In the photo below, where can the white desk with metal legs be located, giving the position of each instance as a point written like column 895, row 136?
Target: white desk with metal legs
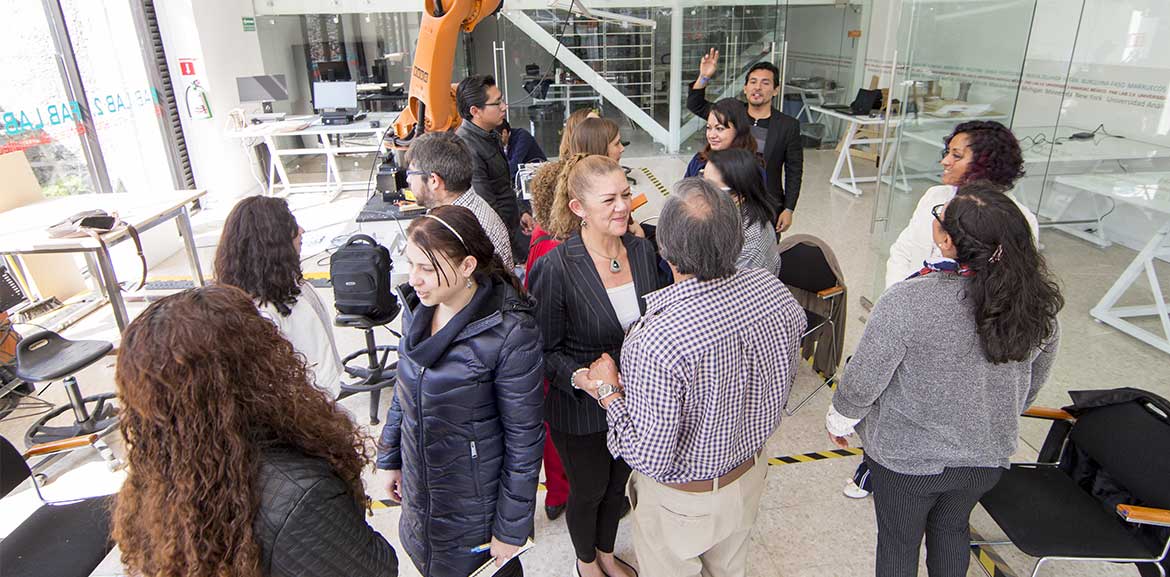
column 1149, row 191
column 296, row 126
column 24, row 230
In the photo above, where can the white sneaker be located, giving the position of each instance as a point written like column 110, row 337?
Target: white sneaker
column 852, row 491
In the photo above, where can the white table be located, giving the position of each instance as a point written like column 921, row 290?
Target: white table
column 24, row 230
column 1097, row 150
column 1149, row 191
column 269, row 132
column 810, row 97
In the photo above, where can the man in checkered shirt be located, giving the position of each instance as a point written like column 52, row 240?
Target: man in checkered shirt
column 439, row 174
column 705, row 375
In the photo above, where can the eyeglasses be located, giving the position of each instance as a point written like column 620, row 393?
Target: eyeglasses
column 410, row 173
column 937, row 212
column 496, row 103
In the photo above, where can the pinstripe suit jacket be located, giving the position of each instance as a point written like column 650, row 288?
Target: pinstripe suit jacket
column 578, row 323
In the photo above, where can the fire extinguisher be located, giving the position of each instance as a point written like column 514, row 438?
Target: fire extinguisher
column 195, row 97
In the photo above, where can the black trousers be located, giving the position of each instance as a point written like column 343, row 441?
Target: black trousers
column 937, row 506
column 597, row 487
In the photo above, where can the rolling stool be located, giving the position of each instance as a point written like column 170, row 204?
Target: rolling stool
column 47, row 356
column 377, row 374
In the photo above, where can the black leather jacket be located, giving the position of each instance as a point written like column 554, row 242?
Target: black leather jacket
column 492, row 180
column 308, row 524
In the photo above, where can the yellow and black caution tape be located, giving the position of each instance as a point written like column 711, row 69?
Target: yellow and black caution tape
column 991, row 562
column 816, row 456
column 654, row 180
column 379, row 504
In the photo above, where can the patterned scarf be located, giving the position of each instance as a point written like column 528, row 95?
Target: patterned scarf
column 944, row 265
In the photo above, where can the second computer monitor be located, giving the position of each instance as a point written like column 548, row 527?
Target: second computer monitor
column 334, row 95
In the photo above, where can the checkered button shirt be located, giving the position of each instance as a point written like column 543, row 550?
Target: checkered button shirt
column 706, row 373
column 490, row 222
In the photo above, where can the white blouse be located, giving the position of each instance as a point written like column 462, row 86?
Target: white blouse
column 625, row 303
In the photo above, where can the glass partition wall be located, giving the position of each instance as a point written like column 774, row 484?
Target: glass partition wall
column 1085, row 88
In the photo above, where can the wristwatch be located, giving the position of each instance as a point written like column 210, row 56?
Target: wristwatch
column 605, row 390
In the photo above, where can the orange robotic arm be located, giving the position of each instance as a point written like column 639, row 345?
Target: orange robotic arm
column 432, row 95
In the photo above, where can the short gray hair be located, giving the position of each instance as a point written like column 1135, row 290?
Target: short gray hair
column 444, row 154
column 700, row 231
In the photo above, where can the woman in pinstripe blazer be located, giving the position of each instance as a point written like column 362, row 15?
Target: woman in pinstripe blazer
column 589, row 290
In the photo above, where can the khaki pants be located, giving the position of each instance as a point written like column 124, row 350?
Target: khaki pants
column 681, row 534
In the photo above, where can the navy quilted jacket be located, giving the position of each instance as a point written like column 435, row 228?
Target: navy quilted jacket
column 465, row 428
column 308, row 525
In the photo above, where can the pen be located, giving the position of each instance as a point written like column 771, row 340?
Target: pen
column 481, row 548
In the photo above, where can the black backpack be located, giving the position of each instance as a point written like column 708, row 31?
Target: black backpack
column 360, row 273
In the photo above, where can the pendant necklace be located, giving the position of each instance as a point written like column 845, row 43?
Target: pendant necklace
column 615, row 266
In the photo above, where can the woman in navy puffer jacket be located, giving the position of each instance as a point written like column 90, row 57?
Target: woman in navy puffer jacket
column 464, row 434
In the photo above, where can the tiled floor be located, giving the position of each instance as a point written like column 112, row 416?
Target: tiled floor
column 806, row 527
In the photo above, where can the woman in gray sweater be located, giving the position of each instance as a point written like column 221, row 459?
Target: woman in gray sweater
column 947, row 363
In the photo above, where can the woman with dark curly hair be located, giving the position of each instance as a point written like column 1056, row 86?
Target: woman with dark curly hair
column 728, row 126
column 260, row 252
column 236, row 463
column 948, row 361
column 976, row 150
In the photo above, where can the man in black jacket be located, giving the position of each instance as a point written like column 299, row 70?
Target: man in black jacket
column 777, row 134
column 482, row 107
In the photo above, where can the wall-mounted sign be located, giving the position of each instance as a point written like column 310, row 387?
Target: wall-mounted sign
column 249, row 24
column 855, row 34
column 187, row 67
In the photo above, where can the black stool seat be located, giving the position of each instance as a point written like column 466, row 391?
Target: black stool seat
column 362, row 321
column 47, row 356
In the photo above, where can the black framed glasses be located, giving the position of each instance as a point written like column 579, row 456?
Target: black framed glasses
column 496, row 103
column 937, row 212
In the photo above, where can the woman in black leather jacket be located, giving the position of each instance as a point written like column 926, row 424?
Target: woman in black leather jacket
column 463, row 437
column 238, row 465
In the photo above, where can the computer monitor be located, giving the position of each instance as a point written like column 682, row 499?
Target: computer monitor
column 332, row 71
column 334, row 95
column 262, row 88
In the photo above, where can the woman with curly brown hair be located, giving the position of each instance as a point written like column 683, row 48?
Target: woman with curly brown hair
column 260, row 252
column 237, row 465
column 975, row 150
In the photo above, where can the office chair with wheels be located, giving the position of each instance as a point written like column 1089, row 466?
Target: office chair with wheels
column 1106, row 496
column 809, row 269
column 378, row 373
column 63, row 539
column 47, row 356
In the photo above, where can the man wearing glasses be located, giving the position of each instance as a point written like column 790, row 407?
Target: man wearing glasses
column 439, row 173
column 483, row 110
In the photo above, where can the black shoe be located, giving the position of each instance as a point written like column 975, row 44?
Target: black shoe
column 625, row 508
column 554, row 511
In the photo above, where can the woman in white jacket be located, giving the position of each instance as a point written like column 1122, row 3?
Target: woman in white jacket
column 976, row 150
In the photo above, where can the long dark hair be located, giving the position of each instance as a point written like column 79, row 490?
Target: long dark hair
column 1014, row 297
column 432, row 236
column 256, row 252
column 741, row 173
column 197, row 413
column 733, row 113
column 998, row 157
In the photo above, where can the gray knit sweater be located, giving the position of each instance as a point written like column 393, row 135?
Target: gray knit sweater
column 927, row 396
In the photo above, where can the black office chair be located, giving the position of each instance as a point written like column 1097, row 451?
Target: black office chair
column 1102, row 489
column 63, row 539
column 806, row 270
column 378, row 373
column 47, row 356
